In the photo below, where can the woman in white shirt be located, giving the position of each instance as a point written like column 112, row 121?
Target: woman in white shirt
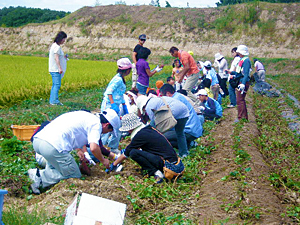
column 57, row 66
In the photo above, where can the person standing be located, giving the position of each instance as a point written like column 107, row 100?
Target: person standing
column 114, row 97
column 70, row 131
column 190, row 69
column 242, row 70
column 143, row 71
column 234, row 63
column 221, row 63
column 135, row 57
column 57, row 66
column 260, row 70
column 177, row 67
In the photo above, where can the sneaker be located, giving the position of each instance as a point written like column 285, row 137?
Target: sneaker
column 230, row 106
column 34, row 175
column 56, row 103
column 159, row 177
column 183, row 156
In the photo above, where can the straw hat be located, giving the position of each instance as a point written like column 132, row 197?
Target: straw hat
column 130, row 121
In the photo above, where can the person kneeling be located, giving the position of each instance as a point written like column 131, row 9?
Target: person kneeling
column 210, row 108
column 148, row 147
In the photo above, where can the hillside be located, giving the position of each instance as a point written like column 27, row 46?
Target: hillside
column 269, row 29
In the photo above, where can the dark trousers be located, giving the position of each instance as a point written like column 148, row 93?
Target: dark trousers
column 148, row 161
column 172, row 138
column 223, row 85
column 211, row 116
column 241, row 103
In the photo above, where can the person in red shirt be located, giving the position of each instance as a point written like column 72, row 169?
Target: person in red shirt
column 190, row 70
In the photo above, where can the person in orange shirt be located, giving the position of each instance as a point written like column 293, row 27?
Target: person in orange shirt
column 190, row 70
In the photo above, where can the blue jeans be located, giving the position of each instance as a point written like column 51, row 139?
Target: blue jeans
column 142, row 89
column 232, row 96
column 56, row 83
column 181, row 140
column 111, row 140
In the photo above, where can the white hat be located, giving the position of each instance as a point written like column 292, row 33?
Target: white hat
column 141, row 101
column 113, row 118
column 242, row 49
column 207, row 64
column 218, row 56
column 201, row 63
column 130, row 121
column 201, row 92
column 124, row 63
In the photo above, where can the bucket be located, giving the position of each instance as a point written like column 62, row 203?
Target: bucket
column 24, row 132
column 2, row 193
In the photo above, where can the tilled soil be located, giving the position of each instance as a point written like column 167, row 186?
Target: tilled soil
column 213, row 195
column 258, row 192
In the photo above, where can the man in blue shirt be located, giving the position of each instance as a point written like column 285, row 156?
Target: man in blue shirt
column 147, row 106
column 193, row 128
column 210, row 108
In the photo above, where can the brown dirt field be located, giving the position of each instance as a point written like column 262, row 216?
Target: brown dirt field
column 213, row 192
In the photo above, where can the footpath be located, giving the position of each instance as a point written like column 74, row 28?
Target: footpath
column 236, row 186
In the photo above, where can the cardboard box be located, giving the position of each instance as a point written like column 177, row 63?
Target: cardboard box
column 93, row 210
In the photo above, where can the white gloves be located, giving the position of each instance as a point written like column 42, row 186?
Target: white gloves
column 157, row 69
column 241, row 88
column 202, row 108
column 88, row 157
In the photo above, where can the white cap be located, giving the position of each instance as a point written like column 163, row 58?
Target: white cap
column 242, row 49
column 207, row 64
column 218, row 56
column 201, row 92
column 141, row 101
column 113, row 118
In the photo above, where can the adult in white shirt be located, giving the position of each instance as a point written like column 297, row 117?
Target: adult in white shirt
column 70, row 131
column 57, row 66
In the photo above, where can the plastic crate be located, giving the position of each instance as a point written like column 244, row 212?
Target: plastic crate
column 24, row 132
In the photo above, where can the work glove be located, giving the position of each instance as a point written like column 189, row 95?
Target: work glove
column 125, row 109
column 115, row 107
column 241, row 88
column 116, row 168
column 202, row 108
column 157, row 69
column 88, row 157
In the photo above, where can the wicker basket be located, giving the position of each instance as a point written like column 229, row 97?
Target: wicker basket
column 24, row 132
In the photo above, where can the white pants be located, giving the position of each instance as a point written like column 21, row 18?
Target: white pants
column 189, row 84
column 134, row 77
